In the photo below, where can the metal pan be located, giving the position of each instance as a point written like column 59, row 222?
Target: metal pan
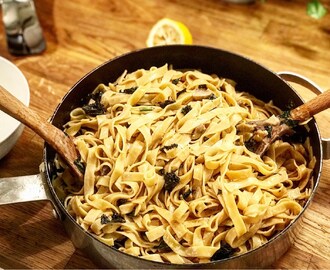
column 250, row 77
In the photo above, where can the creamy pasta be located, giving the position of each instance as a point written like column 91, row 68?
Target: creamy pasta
column 168, row 175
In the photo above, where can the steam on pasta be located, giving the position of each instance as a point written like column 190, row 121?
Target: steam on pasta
column 168, row 176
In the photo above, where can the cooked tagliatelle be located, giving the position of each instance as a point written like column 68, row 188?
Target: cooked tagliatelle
column 168, row 174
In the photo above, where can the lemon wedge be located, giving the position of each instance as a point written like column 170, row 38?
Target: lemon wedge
column 167, row 31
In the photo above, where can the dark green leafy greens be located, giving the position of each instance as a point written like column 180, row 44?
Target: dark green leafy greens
column 186, row 194
column 176, row 81
column 186, row 109
column 130, row 90
column 286, row 119
column 212, row 96
column 180, row 92
column 95, row 107
column 168, row 147
column 105, row 219
column 224, row 252
column 171, row 180
column 116, row 218
column 165, row 103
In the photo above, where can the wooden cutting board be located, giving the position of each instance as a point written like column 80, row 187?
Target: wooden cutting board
column 82, row 34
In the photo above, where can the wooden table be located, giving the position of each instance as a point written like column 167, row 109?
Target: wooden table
column 82, row 34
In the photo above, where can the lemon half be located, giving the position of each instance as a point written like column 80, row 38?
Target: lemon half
column 167, row 31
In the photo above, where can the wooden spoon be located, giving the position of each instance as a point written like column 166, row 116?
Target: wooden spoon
column 55, row 137
column 284, row 125
column 312, row 107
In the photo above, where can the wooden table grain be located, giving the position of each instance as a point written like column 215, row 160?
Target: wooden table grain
column 81, row 34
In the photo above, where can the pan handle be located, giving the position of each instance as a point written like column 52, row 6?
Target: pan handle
column 27, row 188
column 309, row 84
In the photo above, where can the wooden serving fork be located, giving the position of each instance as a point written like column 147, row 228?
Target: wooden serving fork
column 284, row 124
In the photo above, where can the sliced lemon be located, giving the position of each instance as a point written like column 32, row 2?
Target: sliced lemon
column 167, row 31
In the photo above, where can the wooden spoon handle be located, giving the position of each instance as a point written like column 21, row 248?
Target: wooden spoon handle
column 15, row 108
column 55, row 137
column 312, row 107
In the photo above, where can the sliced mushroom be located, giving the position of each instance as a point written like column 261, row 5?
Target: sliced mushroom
column 200, row 94
column 198, row 131
column 277, row 132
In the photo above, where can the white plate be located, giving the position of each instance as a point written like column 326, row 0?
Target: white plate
column 14, row 81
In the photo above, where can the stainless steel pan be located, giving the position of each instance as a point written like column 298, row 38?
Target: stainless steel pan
column 250, row 77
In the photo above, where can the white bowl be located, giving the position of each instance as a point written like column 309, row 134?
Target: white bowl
column 12, row 79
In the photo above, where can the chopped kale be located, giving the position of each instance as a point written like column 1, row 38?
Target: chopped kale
column 212, row 96
column 105, row 219
column 168, row 147
column 116, row 218
column 163, row 247
column 130, row 90
column 291, row 123
column 180, row 92
column 186, row 194
column 176, row 81
column 186, row 109
column 80, row 165
column 224, row 252
column 95, row 96
column 285, row 115
column 171, row 180
column 93, row 109
column 269, row 130
column 286, row 119
column 165, row 103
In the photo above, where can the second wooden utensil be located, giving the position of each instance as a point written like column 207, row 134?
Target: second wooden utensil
column 284, row 123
